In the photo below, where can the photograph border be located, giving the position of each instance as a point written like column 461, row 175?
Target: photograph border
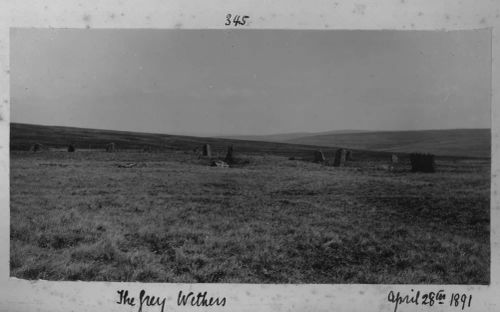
column 23, row 295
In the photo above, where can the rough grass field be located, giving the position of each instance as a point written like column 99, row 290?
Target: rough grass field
column 172, row 218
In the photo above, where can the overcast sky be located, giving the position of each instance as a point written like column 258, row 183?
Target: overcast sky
column 218, row 82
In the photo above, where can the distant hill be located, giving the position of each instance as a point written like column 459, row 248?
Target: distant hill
column 284, row 137
column 22, row 136
column 454, row 142
column 459, row 142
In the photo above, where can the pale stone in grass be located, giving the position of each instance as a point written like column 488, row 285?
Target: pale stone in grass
column 219, row 163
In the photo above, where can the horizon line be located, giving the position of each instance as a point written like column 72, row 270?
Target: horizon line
column 323, row 132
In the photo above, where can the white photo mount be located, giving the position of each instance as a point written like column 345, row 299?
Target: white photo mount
column 448, row 15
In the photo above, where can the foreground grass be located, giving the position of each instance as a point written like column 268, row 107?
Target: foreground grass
column 174, row 219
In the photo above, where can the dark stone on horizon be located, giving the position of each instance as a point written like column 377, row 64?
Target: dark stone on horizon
column 340, row 158
column 110, row 148
column 422, row 162
column 207, row 150
column 36, row 147
column 229, row 155
column 319, row 156
column 348, row 155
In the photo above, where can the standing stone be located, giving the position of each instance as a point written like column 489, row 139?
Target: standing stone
column 319, row 156
column 348, row 155
column 422, row 162
column 207, row 151
column 340, row 156
column 229, row 155
column 110, row 148
column 36, row 147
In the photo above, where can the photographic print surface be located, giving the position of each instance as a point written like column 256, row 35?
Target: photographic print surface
column 256, row 156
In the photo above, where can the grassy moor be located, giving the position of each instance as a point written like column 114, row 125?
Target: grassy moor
column 155, row 211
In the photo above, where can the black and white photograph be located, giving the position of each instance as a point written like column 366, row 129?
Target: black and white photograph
column 257, row 156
